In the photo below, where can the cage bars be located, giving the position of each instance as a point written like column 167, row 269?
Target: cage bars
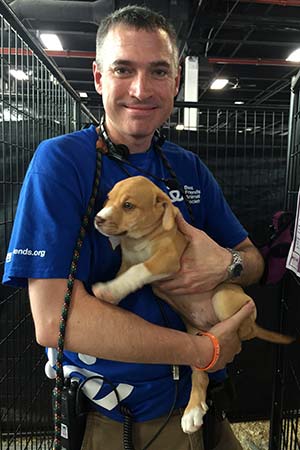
column 34, row 105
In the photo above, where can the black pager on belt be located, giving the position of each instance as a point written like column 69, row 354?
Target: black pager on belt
column 73, row 419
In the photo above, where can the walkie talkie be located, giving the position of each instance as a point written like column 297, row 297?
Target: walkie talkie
column 73, row 415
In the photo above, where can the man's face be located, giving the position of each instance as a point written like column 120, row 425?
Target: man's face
column 138, row 81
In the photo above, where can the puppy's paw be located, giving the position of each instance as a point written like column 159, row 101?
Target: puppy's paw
column 102, row 291
column 192, row 419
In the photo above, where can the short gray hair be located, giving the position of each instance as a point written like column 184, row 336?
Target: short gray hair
column 140, row 18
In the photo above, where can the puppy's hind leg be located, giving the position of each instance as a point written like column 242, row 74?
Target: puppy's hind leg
column 192, row 418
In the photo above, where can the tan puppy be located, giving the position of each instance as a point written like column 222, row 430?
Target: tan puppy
column 142, row 219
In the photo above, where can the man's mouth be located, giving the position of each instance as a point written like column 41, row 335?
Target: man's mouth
column 141, row 107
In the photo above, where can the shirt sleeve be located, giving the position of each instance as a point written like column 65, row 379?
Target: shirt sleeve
column 220, row 223
column 50, row 209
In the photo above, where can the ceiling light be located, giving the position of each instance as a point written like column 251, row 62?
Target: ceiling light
column 219, row 83
column 238, row 102
column 9, row 115
column 294, row 56
column 51, row 41
column 18, row 74
column 83, row 94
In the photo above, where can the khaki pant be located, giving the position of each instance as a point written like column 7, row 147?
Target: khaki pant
column 103, row 433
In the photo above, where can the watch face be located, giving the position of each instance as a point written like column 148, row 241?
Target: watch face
column 237, row 270
column 236, row 267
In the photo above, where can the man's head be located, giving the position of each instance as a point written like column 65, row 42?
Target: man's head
column 137, row 74
column 140, row 18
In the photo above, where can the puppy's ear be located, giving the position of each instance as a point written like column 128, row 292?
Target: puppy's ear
column 169, row 215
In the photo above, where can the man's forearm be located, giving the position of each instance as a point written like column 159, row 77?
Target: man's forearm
column 107, row 331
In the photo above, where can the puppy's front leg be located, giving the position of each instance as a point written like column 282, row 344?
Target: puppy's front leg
column 192, row 418
column 134, row 278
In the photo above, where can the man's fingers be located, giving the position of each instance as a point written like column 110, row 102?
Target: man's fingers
column 243, row 313
column 184, row 226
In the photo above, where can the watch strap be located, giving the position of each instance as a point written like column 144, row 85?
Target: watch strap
column 236, row 266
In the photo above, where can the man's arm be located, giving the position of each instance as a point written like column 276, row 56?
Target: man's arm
column 253, row 263
column 204, row 263
column 106, row 331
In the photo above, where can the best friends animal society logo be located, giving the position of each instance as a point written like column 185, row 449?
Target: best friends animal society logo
column 25, row 252
column 193, row 195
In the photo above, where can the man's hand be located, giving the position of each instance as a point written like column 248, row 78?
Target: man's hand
column 203, row 264
column 227, row 334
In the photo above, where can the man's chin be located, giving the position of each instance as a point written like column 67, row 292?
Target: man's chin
column 142, row 128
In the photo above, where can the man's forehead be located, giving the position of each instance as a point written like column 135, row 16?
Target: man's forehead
column 121, row 38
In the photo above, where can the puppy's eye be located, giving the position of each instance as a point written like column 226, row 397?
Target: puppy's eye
column 128, row 205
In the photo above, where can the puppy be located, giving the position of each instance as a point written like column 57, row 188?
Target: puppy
column 141, row 217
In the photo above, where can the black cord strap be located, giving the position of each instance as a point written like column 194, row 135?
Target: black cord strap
column 59, row 381
column 174, row 176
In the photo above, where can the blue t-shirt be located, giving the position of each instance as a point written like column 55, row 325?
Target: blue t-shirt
column 52, row 202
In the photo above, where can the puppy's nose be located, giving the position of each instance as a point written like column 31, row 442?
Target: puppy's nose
column 99, row 220
column 103, row 214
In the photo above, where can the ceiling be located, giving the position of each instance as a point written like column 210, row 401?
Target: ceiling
column 246, row 41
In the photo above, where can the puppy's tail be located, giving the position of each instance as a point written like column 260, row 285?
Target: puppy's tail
column 272, row 336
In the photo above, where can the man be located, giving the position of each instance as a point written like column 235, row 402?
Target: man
column 132, row 345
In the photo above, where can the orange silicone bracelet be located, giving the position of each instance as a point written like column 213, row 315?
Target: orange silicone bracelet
column 216, row 353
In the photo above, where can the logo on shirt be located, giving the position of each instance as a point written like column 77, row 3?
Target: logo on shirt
column 193, row 195
column 25, row 252
column 93, row 385
column 93, row 380
column 8, row 257
column 175, row 196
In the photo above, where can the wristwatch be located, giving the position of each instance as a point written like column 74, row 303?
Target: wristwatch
column 236, row 267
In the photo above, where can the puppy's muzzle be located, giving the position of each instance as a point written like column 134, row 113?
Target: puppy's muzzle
column 104, row 226
column 102, row 216
column 106, row 222
column 99, row 221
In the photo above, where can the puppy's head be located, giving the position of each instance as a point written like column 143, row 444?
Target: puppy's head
column 135, row 207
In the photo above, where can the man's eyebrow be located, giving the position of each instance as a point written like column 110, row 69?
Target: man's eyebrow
column 161, row 63
column 127, row 62
column 122, row 62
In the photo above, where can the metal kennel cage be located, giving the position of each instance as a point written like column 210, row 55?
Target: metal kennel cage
column 35, row 104
column 285, row 430
column 246, row 149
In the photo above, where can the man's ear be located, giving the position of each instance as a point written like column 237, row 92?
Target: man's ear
column 97, row 78
column 168, row 220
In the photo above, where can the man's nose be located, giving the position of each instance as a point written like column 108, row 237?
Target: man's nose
column 141, row 87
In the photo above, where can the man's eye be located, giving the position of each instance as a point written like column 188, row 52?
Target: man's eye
column 160, row 73
column 128, row 205
column 121, row 71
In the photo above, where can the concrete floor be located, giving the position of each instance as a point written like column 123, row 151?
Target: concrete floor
column 252, row 435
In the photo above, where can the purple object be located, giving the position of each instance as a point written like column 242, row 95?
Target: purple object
column 276, row 250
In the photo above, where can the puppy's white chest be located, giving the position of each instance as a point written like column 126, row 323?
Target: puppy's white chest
column 138, row 253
